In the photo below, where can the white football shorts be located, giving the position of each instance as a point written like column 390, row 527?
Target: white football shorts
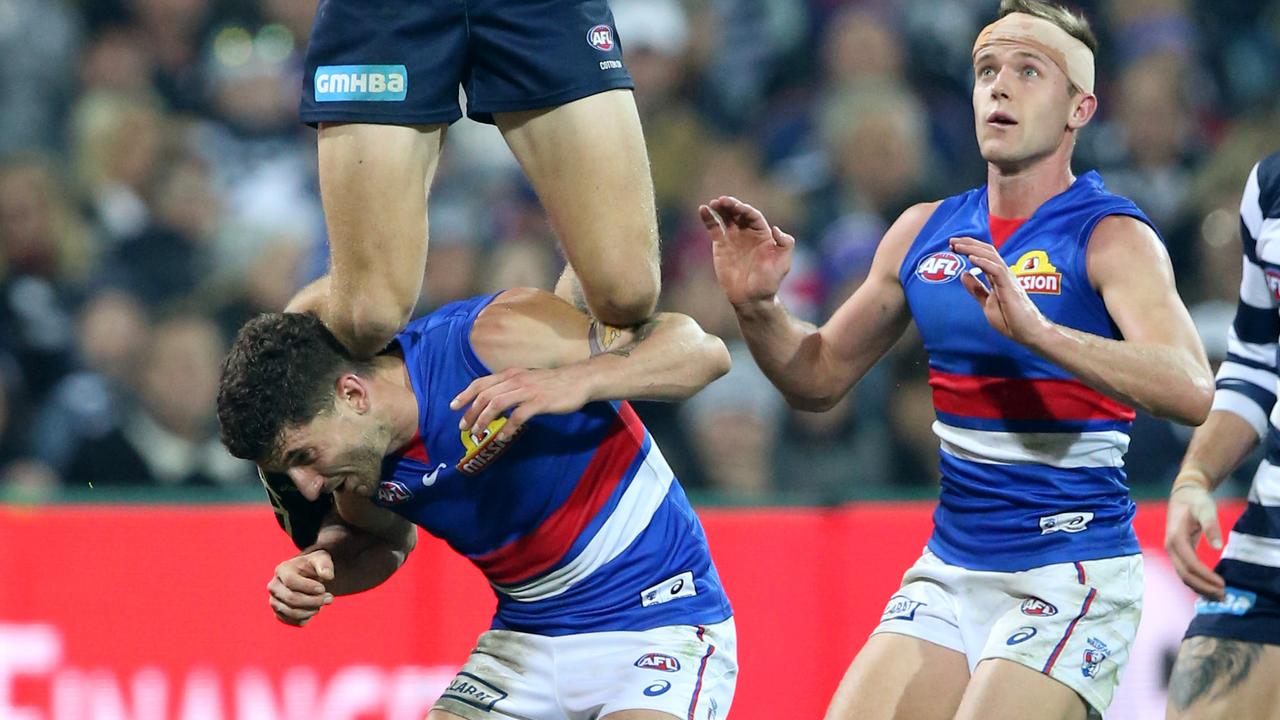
column 685, row 670
column 1073, row 622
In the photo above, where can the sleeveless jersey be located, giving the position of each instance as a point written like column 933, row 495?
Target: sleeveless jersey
column 1031, row 458
column 577, row 522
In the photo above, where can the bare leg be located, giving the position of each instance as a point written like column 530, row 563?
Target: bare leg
column 373, row 182
column 1004, row 690
column 897, row 677
column 588, row 163
column 1220, row 679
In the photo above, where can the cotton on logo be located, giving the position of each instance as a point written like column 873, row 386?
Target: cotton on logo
column 940, row 267
column 600, row 37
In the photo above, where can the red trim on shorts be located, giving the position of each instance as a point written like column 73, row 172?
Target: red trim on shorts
column 697, row 689
column 1080, row 574
column 1093, row 592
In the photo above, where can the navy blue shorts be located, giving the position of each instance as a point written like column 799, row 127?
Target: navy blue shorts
column 400, row 62
column 1250, row 612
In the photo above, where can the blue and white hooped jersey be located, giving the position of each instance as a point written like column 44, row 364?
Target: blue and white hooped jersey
column 577, row 522
column 1247, row 383
column 1031, row 458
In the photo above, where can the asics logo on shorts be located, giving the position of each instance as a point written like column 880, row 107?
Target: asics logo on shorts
column 363, row 83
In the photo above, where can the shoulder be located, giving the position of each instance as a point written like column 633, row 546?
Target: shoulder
column 1125, row 246
column 526, row 327
column 900, row 236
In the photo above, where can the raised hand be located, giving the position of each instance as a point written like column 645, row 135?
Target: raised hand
column 1004, row 303
column 297, row 589
column 751, row 257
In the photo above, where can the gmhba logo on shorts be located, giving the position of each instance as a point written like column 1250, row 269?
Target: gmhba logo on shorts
column 365, row 83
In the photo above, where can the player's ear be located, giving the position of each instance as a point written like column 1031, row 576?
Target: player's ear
column 1083, row 108
column 354, row 391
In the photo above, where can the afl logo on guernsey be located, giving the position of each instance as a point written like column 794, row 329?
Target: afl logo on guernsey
column 1036, row 274
column 600, row 37
column 940, row 267
column 393, row 492
column 1273, row 282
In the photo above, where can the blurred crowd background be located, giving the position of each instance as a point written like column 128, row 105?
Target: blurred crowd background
column 157, row 189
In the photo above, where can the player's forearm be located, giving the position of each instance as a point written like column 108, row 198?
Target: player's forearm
column 790, row 352
column 361, row 559
column 1217, row 448
column 1165, row 381
column 670, row 359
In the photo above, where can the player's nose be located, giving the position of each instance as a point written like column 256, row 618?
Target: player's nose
column 309, row 482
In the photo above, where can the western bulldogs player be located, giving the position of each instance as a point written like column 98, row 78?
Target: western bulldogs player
column 1027, row 598
column 609, row 605
column 1228, row 663
column 382, row 82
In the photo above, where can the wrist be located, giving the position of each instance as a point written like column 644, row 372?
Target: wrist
column 1191, row 477
column 1044, row 333
column 756, row 309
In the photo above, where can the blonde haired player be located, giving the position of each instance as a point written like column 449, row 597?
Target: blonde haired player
column 1027, row 598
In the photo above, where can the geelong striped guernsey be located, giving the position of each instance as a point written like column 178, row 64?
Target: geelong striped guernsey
column 1247, row 381
column 1031, row 458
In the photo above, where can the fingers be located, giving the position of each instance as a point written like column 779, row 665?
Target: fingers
column 1180, row 542
column 711, row 219
column 1212, row 531
column 502, row 399
column 321, row 565
column 737, row 213
column 784, row 240
column 479, row 393
column 975, row 287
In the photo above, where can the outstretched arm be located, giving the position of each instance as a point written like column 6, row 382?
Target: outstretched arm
column 359, row 546
column 548, row 357
column 1159, row 366
column 813, row 367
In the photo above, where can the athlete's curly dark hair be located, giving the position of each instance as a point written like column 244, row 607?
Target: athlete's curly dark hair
column 280, row 373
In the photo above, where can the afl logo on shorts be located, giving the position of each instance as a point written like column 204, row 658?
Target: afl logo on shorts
column 1035, row 607
column 940, row 267
column 600, row 37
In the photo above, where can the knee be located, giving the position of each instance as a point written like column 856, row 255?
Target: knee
column 623, row 301
column 366, row 323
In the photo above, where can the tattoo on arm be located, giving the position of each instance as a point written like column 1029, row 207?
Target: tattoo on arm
column 1210, row 667
column 601, row 337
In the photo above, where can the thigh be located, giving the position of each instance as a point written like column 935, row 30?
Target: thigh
column 588, row 164
column 373, row 183
column 1224, row 679
column 1005, row 690
column 395, row 61
column 897, row 677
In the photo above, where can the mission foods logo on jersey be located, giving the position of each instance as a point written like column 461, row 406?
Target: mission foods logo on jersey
column 1036, row 274
column 365, row 83
column 483, row 450
column 940, row 267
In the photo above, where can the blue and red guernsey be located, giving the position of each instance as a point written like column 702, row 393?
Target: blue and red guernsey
column 1031, row 458
column 577, row 522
